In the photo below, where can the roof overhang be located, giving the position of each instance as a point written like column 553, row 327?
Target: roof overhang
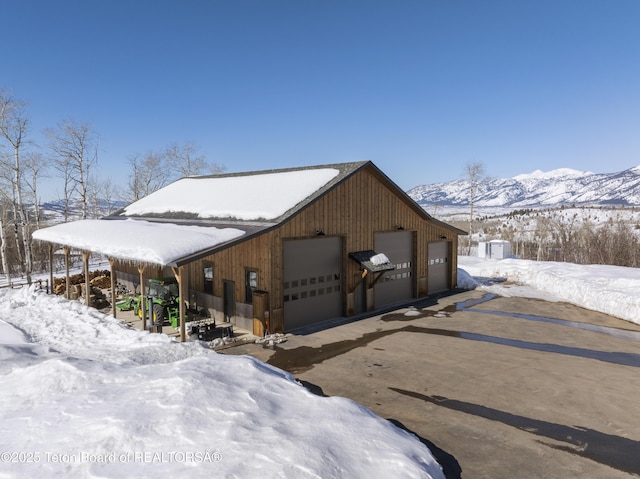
column 372, row 261
column 138, row 241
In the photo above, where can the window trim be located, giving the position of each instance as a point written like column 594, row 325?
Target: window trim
column 206, row 287
column 248, row 289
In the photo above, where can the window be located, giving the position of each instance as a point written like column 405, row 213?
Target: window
column 306, row 288
column 250, row 284
column 207, row 272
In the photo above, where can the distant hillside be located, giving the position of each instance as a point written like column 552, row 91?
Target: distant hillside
column 52, row 210
column 538, row 189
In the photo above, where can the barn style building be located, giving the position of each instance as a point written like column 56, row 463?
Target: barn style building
column 292, row 247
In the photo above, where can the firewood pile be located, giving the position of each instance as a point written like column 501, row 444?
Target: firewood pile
column 97, row 279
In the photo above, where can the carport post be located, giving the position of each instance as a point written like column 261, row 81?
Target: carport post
column 51, row 266
column 113, row 287
column 178, row 273
column 87, row 287
column 66, row 265
column 143, row 306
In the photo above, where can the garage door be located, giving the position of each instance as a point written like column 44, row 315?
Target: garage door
column 312, row 281
column 438, row 275
column 396, row 285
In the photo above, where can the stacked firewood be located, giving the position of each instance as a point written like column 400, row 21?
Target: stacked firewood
column 97, row 279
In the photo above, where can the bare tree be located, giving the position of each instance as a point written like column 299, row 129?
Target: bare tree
column 9, row 201
column 13, row 128
column 76, row 147
column 184, row 160
column 94, row 196
column 63, row 166
column 564, row 237
column 3, row 248
column 108, row 192
column 475, row 174
column 154, row 170
column 542, row 234
column 4, row 254
column 35, row 168
column 135, row 188
column 148, row 174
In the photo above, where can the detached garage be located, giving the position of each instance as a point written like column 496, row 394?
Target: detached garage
column 281, row 249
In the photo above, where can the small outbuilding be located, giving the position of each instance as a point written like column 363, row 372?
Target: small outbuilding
column 494, row 249
column 277, row 250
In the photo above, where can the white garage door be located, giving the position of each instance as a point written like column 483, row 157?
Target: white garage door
column 312, row 281
column 438, row 275
column 396, row 285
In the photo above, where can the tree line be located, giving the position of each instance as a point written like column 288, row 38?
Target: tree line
column 558, row 237
column 555, row 235
column 579, row 240
column 71, row 156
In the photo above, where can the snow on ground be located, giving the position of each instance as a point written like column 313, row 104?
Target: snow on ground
column 137, row 240
column 243, row 197
column 614, row 290
column 11, row 335
column 84, row 396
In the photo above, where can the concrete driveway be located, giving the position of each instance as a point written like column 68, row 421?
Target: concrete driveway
column 496, row 387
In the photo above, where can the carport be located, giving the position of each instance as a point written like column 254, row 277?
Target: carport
column 142, row 243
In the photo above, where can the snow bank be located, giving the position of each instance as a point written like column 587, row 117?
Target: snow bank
column 91, row 398
column 137, row 240
column 10, row 335
column 465, row 280
column 613, row 290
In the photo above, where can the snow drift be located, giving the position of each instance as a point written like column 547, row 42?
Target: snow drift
column 84, row 396
column 611, row 290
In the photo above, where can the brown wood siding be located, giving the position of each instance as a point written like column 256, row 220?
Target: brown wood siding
column 150, row 271
column 229, row 264
column 355, row 209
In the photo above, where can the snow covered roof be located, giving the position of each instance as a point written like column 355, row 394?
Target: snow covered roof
column 196, row 215
column 222, row 208
column 254, row 196
column 138, row 240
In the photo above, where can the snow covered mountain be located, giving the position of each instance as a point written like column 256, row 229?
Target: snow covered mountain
column 101, row 207
column 555, row 188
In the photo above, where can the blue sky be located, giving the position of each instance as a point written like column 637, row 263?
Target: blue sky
column 421, row 88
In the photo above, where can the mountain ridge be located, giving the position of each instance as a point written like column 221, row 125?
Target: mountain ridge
column 558, row 187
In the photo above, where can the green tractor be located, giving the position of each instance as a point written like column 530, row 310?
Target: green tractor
column 165, row 302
